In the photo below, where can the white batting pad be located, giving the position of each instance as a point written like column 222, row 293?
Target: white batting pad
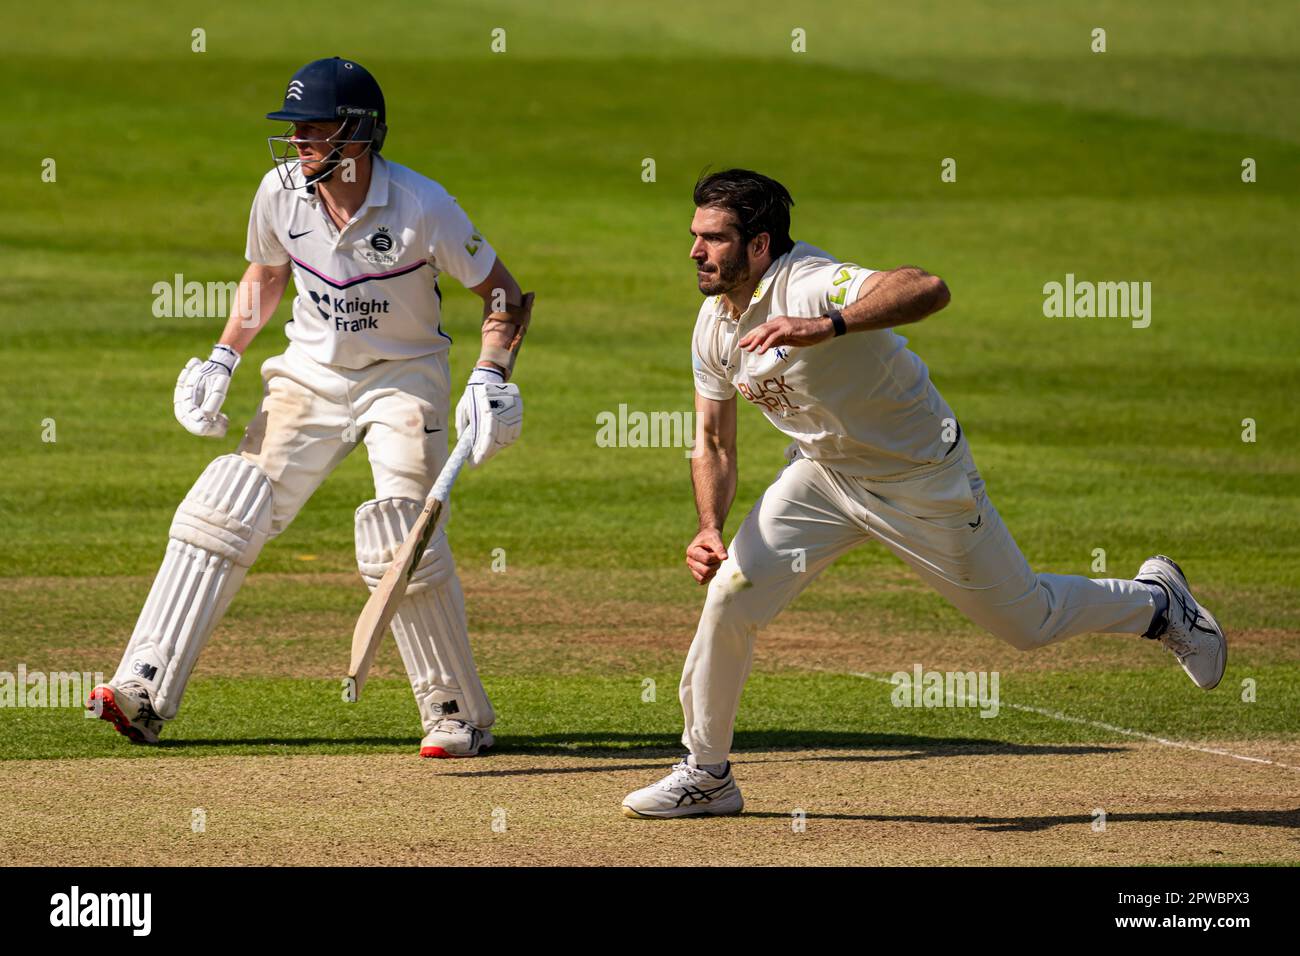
column 429, row 625
column 217, row 533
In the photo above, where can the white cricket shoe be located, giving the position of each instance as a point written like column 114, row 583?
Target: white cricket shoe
column 129, row 709
column 689, row 791
column 455, row 738
column 1186, row 627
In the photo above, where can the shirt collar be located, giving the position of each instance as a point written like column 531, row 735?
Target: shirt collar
column 723, row 307
column 376, row 195
column 378, row 192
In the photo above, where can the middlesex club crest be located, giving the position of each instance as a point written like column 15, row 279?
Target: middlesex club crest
column 380, row 248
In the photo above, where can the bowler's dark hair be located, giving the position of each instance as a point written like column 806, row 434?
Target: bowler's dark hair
column 759, row 203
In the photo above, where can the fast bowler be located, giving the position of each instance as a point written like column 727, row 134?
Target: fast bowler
column 876, row 454
column 365, row 241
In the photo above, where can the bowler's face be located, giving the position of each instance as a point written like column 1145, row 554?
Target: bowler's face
column 721, row 260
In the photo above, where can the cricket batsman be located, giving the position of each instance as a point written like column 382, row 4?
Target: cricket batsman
column 366, row 242
column 876, row 454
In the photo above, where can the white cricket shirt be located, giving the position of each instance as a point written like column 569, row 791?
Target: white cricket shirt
column 861, row 403
column 368, row 292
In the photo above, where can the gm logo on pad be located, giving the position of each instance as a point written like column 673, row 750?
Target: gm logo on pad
column 144, row 669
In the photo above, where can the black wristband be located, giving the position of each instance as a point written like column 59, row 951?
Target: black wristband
column 837, row 320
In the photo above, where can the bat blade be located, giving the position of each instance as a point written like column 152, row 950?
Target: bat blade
column 388, row 593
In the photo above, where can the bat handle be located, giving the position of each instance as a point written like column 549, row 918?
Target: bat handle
column 459, row 455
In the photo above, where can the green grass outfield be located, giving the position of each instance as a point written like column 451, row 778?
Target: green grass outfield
column 1090, row 433
column 260, row 716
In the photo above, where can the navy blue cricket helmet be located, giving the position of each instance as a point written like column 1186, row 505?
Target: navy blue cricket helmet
column 331, row 89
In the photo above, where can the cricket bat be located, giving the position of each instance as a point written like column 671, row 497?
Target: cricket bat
column 387, row 595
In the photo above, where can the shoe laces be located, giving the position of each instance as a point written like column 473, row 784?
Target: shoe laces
column 451, row 725
column 682, row 773
column 1179, row 639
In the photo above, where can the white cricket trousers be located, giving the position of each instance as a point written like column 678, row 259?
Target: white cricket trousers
column 310, row 418
column 941, row 523
column 313, row 415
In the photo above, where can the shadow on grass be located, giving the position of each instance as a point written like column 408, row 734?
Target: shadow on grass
column 614, row 745
column 909, row 747
column 1286, row 819
column 345, row 744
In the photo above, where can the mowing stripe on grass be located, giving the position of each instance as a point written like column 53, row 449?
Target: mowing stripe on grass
column 1058, row 715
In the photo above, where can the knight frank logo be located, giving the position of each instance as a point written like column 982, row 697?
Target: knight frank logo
column 322, row 297
column 340, row 311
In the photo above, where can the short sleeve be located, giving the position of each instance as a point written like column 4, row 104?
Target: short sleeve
column 264, row 246
column 710, row 381
column 831, row 285
column 457, row 247
column 841, row 282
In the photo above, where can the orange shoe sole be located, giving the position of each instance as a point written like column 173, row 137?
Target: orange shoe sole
column 108, row 710
column 439, row 752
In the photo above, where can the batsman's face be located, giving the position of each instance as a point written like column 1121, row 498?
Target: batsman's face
column 315, row 141
column 721, row 259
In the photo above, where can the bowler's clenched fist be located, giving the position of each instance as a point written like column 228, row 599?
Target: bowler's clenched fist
column 705, row 554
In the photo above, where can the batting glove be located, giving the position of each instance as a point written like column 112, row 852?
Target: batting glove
column 492, row 411
column 201, row 389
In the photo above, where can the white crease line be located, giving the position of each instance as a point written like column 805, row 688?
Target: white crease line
column 1057, row 715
